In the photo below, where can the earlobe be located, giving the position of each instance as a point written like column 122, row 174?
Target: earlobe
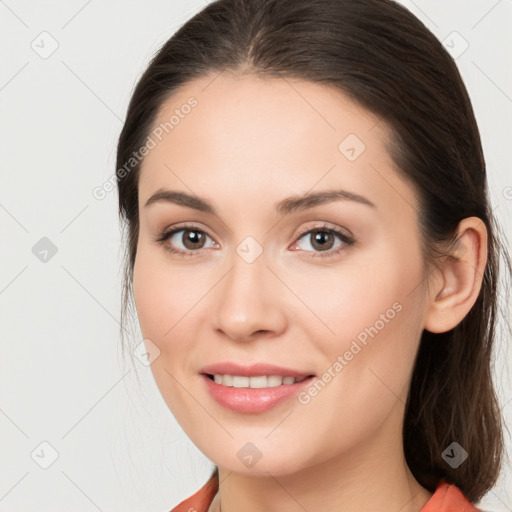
column 460, row 277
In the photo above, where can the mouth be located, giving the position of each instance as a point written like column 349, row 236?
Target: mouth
column 255, row 382
column 254, row 394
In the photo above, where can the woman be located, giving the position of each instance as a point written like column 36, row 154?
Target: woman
column 313, row 258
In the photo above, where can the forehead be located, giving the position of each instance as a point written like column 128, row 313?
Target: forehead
column 248, row 132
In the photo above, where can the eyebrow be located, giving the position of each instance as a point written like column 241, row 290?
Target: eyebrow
column 284, row 207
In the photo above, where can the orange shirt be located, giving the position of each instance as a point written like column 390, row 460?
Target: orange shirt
column 446, row 498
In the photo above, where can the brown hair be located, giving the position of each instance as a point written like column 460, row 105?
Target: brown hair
column 386, row 60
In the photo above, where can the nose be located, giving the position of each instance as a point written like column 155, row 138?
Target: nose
column 248, row 302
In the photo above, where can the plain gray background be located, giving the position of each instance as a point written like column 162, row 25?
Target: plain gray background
column 66, row 74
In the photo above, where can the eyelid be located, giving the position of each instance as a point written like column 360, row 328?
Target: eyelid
column 328, row 226
column 165, row 232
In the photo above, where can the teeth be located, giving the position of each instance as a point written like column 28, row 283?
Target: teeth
column 260, row 381
column 241, row 382
column 274, row 380
column 254, row 382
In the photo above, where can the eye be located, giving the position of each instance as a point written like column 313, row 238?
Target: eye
column 322, row 240
column 192, row 240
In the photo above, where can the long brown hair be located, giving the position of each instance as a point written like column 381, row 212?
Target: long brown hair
column 386, row 60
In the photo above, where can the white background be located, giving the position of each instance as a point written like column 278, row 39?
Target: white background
column 62, row 379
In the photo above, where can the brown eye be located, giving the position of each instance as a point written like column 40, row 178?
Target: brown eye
column 322, row 242
column 321, row 239
column 193, row 238
column 185, row 240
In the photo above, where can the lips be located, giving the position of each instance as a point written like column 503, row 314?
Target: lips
column 252, row 399
column 229, row 368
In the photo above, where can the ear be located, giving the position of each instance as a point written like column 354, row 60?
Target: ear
column 457, row 285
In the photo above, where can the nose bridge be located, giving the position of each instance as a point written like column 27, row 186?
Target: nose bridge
column 246, row 300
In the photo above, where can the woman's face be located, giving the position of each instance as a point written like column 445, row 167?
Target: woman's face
column 257, row 286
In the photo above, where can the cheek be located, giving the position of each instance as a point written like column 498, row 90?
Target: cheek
column 161, row 291
column 359, row 296
column 147, row 288
column 171, row 301
column 164, row 302
column 368, row 360
column 373, row 313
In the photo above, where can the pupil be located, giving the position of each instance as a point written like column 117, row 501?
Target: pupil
column 193, row 238
column 320, row 238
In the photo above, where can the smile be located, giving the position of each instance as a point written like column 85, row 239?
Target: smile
column 255, row 394
column 259, row 381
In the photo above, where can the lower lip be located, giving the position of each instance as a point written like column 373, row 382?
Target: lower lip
column 253, row 399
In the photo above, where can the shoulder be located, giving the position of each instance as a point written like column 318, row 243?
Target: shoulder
column 448, row 498
column 201, row 500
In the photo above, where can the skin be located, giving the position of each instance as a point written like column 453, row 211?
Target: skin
column 247, row 145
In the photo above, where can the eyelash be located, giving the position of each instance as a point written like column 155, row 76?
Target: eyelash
column 347, row 240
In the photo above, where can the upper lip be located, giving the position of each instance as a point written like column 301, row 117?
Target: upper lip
column 229, row 368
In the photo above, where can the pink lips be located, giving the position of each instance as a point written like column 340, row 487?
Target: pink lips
column 252, row 400
column 229, row 368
